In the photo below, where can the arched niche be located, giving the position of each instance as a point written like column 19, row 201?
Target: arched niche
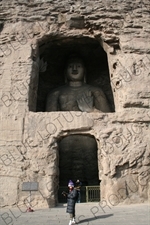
column 78, row 159
column 54, row 53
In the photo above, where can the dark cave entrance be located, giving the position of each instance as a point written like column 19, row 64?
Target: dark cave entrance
column 77, row 160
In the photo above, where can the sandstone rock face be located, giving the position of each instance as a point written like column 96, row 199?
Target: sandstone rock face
column 29, row 140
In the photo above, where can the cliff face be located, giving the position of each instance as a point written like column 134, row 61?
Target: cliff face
column 29, row 140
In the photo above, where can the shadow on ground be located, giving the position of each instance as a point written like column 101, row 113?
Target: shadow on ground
column 95, row 218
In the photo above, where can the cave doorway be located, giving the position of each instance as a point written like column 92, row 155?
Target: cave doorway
column 77, row 160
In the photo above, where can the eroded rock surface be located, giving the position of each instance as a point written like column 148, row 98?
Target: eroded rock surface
column 29, row 139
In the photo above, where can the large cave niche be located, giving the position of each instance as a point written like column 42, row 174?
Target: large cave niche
column 77, row 160
column 55, row 52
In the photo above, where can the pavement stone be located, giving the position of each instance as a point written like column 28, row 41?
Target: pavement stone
column 86, row 214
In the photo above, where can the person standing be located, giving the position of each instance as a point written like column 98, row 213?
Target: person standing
column 78, row 187
column 71, row 201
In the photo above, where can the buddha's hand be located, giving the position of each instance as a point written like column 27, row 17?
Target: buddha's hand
column 85, row 103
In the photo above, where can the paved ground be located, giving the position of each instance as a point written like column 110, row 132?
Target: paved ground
column 86, row 214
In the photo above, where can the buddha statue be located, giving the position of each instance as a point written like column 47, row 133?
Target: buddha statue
column 76, row 95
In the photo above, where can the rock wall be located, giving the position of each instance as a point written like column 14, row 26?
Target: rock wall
column 28, row 140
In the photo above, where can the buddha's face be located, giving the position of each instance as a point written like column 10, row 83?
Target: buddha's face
column 75, row 70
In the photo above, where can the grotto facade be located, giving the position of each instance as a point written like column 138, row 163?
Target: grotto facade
column 36, row 38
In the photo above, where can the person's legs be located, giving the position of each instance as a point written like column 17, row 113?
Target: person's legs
column 71, row 215
column 79, row 197
column 71, row 218
column 74, row 216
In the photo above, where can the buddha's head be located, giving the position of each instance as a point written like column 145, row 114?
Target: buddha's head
column 75, row 70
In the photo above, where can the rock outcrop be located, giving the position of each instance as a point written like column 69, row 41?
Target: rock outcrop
column 29, row 139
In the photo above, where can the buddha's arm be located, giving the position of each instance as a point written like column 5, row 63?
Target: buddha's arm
column 100, row 101
column 52, row 102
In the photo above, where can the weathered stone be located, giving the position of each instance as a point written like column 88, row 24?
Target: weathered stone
column 29, row 138
column 8, row 190
column 75, row 21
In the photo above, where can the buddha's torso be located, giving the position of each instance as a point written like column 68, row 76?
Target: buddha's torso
column 68, row 97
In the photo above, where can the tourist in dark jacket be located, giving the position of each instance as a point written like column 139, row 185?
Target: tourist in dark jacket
column 71, row 201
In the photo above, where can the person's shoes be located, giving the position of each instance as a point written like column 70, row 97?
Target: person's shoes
column 73, row 221
column 70, row 222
